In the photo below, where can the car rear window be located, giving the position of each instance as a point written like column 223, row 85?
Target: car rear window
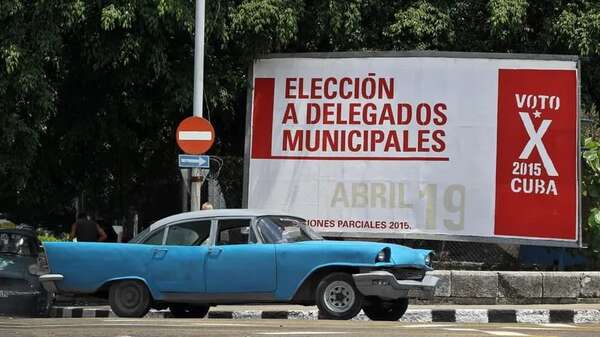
column 156, row 238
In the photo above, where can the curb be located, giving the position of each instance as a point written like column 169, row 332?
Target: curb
column 535, row 316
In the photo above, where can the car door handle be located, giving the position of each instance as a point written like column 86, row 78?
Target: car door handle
column 214, row 251
column 159, row 254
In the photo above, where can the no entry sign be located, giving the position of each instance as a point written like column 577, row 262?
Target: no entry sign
column 195, row 135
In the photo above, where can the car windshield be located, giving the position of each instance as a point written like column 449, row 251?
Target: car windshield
column 13, row 243
column 282, row 229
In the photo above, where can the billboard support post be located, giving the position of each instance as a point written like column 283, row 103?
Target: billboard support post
column 197, row 179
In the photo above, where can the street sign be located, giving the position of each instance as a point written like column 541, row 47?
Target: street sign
column 195, row 135
column 194, row 161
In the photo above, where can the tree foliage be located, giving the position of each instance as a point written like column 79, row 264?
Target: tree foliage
column 422, row 26
column 591, row 197
column 91, row 91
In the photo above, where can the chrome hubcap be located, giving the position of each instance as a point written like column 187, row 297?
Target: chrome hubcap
column 339, row 296
column 130, row 296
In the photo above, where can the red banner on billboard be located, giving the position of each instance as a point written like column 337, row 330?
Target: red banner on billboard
column 536, row 186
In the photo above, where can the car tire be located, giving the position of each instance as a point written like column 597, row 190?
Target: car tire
column 378, row 310
column 337, row 297
column 188, row 310
column 129, row 298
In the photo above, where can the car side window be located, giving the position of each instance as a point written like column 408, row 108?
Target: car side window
column 235, row 232
column 194, row 233
column 155, row 238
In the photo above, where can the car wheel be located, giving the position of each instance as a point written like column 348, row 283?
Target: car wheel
column 337, row 297
column 378, row 310
column 129, row 299
column 188, row 310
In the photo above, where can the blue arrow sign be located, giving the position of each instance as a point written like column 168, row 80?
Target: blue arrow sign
column 194, row 161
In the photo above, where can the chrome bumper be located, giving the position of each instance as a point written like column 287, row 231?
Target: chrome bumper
column 48, row 282
column 383, row 284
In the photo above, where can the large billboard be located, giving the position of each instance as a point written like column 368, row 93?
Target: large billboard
column 480, row 147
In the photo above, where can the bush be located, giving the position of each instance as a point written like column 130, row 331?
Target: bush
column 591, row 197
column 45, row 236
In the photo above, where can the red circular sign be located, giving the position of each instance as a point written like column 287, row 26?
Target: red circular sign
column 195, row 135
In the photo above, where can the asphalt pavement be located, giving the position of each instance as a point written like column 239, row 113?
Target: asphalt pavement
column 533, row 314
column 118, row 327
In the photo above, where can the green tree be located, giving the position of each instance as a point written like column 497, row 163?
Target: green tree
column 31, row 43
column 91, row 91
column 591, row 197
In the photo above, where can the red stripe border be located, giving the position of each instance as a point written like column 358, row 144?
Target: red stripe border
column 262, row 117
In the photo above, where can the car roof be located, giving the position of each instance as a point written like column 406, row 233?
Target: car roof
column 230, row 212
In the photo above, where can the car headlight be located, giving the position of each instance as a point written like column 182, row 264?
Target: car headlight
column 428, row 260
column 383, row 255
column 34, row 269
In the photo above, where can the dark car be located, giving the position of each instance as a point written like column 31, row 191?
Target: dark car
column 21, row 293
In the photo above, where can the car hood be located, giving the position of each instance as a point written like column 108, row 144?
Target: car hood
column 400, row 255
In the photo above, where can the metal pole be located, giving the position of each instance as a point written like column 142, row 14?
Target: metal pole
column 185, row 190
column 197, row 179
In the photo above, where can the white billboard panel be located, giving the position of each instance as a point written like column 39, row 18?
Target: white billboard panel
column 425, row 146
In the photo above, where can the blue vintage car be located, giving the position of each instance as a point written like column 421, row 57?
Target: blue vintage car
column 191, row 261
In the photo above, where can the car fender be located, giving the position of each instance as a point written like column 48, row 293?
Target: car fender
column 296, row 262
column 154, row 292
column 318, row 271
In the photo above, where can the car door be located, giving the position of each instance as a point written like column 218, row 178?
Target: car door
column 237, row 263
column 177, row 266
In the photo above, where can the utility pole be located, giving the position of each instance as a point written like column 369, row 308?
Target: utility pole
column 197, row 178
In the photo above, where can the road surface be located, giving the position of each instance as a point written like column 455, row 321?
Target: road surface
column 120, row 327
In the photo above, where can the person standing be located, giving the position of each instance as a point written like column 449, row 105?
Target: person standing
column 86, row 230
column 111, row 235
